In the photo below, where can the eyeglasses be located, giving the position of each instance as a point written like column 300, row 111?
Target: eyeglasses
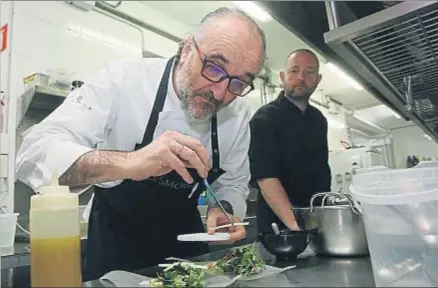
column 217, row 74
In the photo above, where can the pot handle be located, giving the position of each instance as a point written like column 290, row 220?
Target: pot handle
column 309, row 238
column 355, row 206
column 322, row 194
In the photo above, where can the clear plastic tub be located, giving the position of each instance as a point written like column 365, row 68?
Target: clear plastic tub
column 371, row 169
column 400, row 210
column 8, row 222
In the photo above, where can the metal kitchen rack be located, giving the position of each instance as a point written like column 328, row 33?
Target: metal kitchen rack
column 396, row 51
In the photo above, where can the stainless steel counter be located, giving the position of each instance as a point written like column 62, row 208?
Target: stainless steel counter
column 17, row 256
column 323, row 272
column 310, row 272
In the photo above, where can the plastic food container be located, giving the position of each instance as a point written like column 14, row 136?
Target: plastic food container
column 400, row 211
column 8, row 222
column 55, row 237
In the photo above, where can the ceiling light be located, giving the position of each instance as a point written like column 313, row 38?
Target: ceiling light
column 384, row 111
column 254, row 10
column 357, row 131
column 369, row 123
column 103, row 39
column 427, row 136
column 394, row 113
column 335, row 69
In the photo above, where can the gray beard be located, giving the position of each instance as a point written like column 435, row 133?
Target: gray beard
column 188, row 105
column 186, row 95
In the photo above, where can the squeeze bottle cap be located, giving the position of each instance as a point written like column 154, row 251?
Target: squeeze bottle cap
column 54, row 186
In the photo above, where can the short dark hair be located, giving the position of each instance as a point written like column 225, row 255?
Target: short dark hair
column 307, row 51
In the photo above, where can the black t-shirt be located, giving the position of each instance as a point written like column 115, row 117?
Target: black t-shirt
column 292, row 146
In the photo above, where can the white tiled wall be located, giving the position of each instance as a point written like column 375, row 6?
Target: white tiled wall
column 6, row 184
column 52, row 34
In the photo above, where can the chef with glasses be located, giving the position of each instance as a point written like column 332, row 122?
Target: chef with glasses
column 146, row 133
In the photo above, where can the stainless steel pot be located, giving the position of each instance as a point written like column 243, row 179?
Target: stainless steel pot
column 338, row 223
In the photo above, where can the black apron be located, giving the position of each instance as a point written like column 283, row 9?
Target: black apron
column 135, row 224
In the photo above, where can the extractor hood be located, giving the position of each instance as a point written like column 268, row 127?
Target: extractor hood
column 396, row 50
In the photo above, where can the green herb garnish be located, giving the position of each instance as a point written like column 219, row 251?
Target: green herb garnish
column 180, row 275
column 242, row 261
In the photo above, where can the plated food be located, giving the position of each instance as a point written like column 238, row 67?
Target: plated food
column 242, row 261
column 181, row 274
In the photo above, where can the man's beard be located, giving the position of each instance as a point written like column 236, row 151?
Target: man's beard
column 305, row 94
column 198, row 110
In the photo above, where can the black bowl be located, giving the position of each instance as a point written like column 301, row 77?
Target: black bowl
column 287, row 245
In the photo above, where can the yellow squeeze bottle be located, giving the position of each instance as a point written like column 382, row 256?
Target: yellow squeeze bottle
column 55, row 245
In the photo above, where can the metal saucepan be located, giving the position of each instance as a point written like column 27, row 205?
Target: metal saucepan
column 339, row 225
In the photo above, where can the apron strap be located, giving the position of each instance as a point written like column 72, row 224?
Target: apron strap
column 158, row 104
column 158, row 107
column 215, row 144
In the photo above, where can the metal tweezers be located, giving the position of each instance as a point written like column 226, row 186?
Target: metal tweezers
column 210, row 191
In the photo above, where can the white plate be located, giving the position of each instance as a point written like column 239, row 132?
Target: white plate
column 204, row 237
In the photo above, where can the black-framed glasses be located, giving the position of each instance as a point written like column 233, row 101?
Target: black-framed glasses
column 217, row 74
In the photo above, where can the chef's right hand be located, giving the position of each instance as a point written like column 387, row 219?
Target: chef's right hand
column 294, row 227
column 170, row 151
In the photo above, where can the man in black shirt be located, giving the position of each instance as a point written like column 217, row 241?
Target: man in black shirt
column 289, row 151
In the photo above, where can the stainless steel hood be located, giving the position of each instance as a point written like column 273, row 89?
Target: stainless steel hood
column 396, row 51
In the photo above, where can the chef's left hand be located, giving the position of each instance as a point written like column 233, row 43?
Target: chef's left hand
column 216, row 218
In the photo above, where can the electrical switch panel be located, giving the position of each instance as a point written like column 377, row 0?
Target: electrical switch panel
column 3, row 143
column 3, row 166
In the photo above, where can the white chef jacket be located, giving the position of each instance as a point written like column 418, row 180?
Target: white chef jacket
column 111, row 112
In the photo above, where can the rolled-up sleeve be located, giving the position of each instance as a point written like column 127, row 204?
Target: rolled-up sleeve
column 72, row 130
column 232, row 186
column 263, row 153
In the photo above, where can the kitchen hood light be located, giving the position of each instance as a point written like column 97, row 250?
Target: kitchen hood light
column 254, row 10
column 335, row 69
column 395, row 114
column 384, row 111
column 427, row 136
column 369, row 123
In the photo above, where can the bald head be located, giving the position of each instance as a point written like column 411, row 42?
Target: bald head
column 303, row 53
column 219, row 61
column 223, row 12
column 301, row 75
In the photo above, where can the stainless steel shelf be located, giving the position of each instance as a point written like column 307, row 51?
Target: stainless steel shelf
column 396, row 51
column 40, row 98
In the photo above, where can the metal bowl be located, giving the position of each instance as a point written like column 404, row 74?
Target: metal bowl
column 287, row 245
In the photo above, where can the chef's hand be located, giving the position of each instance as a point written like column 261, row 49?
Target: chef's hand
column 216, row 218
column 290, row 225
column 294, row 227
column 170, row 151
